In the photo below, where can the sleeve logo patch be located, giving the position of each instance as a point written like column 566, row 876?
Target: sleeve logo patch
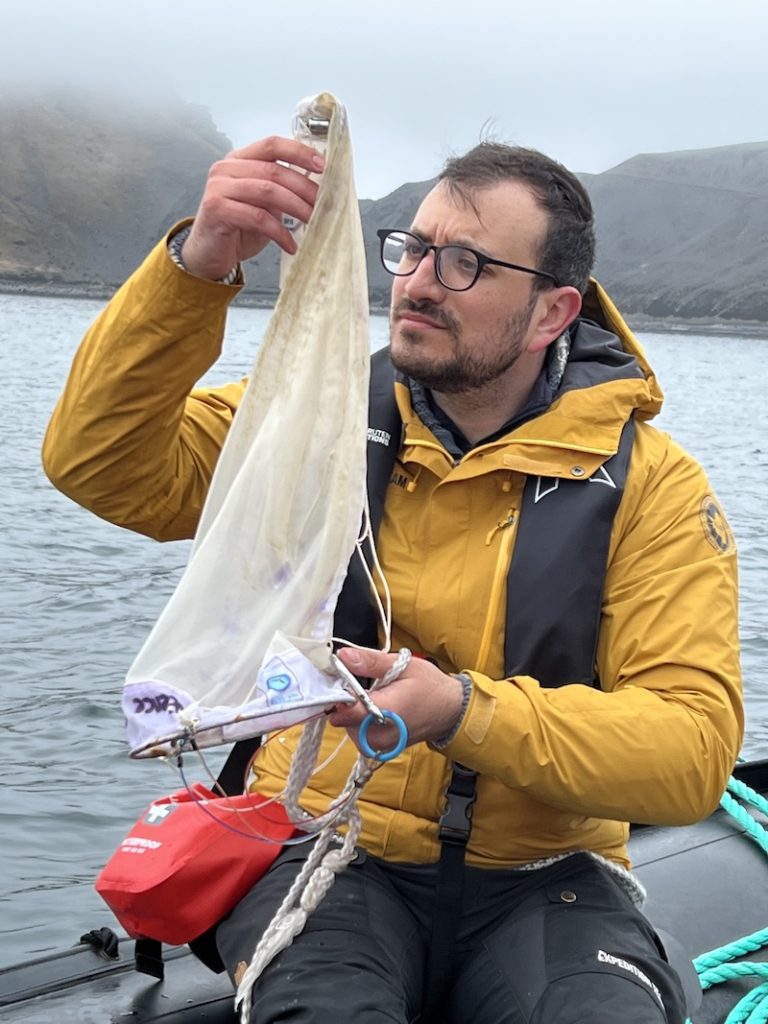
column 716, row 528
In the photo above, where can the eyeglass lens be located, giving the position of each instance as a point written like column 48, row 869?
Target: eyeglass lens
column 402, row 252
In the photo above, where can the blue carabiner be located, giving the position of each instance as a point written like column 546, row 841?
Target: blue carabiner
column 383, row 755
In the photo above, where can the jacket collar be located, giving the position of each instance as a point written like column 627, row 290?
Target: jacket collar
column 607, row 379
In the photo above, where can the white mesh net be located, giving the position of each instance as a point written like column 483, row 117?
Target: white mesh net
column 284, row 509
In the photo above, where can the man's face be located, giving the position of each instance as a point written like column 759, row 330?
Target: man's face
column 458, row 341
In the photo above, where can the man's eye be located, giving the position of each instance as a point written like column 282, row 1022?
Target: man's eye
column 413, row 249
column 465, row 262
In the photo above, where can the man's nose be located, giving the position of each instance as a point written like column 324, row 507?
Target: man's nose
column 423, row 283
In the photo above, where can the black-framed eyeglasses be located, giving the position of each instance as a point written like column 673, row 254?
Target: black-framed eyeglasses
column 456, row 266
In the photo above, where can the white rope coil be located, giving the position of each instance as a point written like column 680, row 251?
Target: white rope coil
column 323, row 864
column 310, row 886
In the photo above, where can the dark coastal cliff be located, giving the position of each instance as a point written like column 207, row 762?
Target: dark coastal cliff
column 681, row 234
column 86, row 188
column 686, row 234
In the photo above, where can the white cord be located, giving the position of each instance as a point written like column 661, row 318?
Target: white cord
column 312, row 883
column 321, row 867
column 384, row 611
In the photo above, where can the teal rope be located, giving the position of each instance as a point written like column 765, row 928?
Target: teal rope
column 753, row 1008
column 727, row 972
column 741, row 947
column 716, row 966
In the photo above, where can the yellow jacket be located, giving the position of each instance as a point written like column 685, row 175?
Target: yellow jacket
column 560, row 769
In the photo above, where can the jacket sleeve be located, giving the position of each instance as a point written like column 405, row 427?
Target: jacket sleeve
column 658, row 741
column 127, row 439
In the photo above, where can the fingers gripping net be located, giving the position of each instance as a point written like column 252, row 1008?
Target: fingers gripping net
column 305, row 759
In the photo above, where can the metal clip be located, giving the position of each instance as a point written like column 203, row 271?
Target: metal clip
column 311, row 124
column 318, row 126
column 352, row 685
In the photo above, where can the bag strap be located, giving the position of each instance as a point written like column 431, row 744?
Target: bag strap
column 148, row 958
column 453, row 832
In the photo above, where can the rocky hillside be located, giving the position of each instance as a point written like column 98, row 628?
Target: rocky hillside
column 686, row 234
column 680, row 234
column 86, row 190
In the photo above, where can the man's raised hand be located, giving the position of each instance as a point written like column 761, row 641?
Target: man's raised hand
column 242, row 207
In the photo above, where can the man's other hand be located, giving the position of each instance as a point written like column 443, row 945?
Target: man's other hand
column 429, row 701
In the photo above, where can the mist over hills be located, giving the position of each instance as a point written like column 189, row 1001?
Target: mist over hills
column 87, row 187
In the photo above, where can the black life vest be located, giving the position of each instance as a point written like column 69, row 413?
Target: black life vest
column 555, row 583
column 557, row 572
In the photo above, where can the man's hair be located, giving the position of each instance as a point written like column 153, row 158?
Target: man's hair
column 568, row 248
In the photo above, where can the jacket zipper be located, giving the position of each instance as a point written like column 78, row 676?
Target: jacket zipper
column 497, row 585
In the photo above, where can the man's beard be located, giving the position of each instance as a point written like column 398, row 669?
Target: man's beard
column 465, row 367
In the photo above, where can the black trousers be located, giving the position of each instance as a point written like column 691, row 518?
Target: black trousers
column 558, row 945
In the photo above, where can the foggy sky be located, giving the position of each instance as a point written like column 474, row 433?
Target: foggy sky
column 590, row 83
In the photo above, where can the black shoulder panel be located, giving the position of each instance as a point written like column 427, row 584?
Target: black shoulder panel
column 355, row 618
column 557, row 574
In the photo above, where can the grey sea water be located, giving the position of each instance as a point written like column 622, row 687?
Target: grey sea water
column 77, row 597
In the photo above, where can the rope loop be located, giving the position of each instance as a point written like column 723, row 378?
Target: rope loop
column 716, row 966
column 319, row 871
column 400, row 742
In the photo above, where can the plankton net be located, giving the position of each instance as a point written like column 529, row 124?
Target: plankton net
column 243, row 646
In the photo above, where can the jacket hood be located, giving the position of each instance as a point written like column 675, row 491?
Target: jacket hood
column 599, row 308
column 606, row 381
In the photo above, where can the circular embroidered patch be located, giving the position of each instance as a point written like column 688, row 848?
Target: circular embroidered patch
column 716, row 528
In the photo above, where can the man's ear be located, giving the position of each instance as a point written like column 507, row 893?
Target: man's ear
column 554, row 311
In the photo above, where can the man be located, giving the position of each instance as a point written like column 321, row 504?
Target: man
column 562, row 568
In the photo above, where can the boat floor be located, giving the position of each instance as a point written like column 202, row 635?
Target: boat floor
column 706, row 886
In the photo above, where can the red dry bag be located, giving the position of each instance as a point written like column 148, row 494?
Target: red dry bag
column 188, row 860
